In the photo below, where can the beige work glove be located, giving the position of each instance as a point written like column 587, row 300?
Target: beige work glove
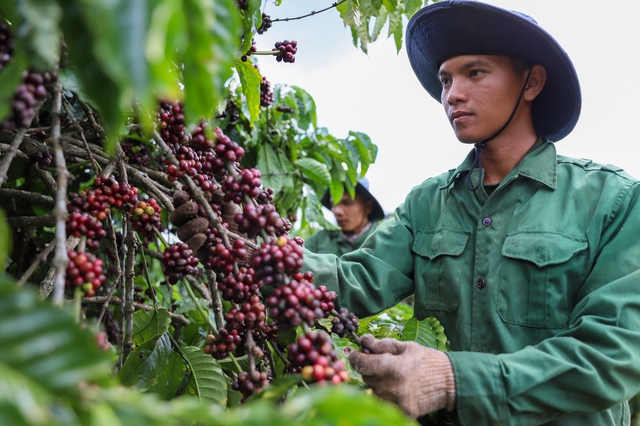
column 418, row 379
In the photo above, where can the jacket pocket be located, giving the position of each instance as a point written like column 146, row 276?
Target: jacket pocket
column 438, row 268
column 540, row 277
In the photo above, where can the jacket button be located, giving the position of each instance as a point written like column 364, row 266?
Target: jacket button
column 486, row 221
column 481, row 283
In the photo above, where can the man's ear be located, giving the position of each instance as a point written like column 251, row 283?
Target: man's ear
column 536, row 83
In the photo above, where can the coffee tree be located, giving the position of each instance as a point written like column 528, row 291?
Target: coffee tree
column 155, row 192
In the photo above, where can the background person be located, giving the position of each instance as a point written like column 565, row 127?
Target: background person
column 357, row 218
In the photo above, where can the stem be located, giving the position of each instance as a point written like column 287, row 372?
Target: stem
column 43, row 255
column 129, row 290
column 312, row 13
column 202, row 311
column 147, row 276
column 30, row 197
column 10, row 154
column 180, row 319
column 60, row 260
column 216, row 301
column 96, row 168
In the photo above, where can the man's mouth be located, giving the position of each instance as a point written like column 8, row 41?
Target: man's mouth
column 457, row 115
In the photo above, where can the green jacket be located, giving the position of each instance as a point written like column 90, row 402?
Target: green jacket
column 325, row 241
column 537, row 286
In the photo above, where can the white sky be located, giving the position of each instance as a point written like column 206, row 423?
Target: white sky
column 379, row 95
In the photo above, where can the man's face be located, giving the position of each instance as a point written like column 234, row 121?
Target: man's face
column 352, row 214
column 479, row 93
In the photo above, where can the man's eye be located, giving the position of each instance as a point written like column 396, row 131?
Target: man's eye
column 444, row 81
column 475, row 73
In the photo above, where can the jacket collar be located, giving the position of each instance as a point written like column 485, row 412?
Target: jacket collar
column 539, row 164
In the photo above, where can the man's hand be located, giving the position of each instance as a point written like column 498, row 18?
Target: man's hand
column 418, row 379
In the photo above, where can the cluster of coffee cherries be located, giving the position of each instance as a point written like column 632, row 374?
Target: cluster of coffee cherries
column 88, row 209
column 33, row 89
column 228, row 339
column 85, row 271
column 266, row 95
column 145, row 217
column 82, row 224
column 171, row 123
column 299, row 301
column 135, row 152
column 286, row 51
column 314, row 357
column 255, row 219
column 247, row 182
column 240, row 286
column 250, row 382
column 178, row 261
column 266, row 24
column 344, row 322
column 276, row 259
column 42, row 158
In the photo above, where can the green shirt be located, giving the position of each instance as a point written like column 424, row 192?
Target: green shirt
column 325, row 241
column 537, row 286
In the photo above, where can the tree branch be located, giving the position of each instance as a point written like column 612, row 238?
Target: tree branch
column 312, row 13
column 60, row 260
column 113, row 300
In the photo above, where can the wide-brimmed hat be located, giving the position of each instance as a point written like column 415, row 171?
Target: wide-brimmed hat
column 455, row 27
column 362, row 188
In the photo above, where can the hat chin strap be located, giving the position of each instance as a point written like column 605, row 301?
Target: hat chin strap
column 480, row 145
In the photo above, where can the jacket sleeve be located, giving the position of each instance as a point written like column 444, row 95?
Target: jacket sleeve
column 591, row 366
column 376, row 276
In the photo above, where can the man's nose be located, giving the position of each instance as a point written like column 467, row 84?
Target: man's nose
column 456, row 92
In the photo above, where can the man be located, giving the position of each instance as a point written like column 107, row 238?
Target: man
column 357, row 218
column 530, row 260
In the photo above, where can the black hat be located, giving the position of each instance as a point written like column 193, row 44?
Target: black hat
column 362, row 188
column 456, row 27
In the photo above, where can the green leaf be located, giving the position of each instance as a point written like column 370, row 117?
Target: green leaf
column 336, row 189
column 395, row 27
column 411, row 7
column 269, row 166
column 170, row 378
column 277, row 388
column 39, row 28
column 149, row 324
column 370, row 7
column 315, row 170
column 381, row 20
column 44, row 344
column 362, row 33
column 213, row 38
column 145, row 363
column 227, row 364
column 443, row 343
column 5, row 240
column 421, row 332
column 102, row 89
column 390, row 5
column 252, row 17
column 304, row 107
column 345, row 404
column 349, row 12
column 29, row 402
column 250, row 79
column 207, row 380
